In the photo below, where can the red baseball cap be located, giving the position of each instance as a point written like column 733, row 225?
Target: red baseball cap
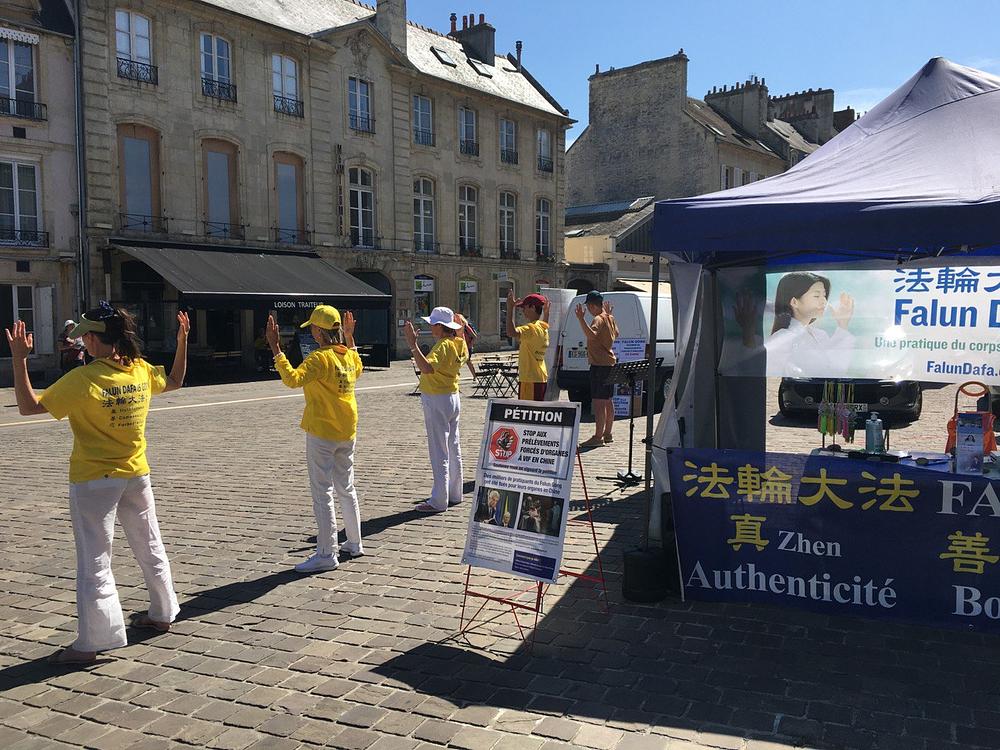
column 535, row 300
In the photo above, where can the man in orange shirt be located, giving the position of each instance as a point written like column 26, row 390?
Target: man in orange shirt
column 601, row 333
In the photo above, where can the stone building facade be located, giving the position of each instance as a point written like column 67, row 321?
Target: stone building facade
column 646, row 136
column 38, row 186
column 422, row 163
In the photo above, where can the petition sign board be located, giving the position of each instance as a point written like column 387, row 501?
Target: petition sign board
column 938, row 324
column 518, row 519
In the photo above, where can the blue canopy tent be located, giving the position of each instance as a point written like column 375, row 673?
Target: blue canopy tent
column 917, row 177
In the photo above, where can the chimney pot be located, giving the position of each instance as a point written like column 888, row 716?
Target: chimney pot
column 597, row 68
column 482, row 18
column 454, row 23
column 465, row 22
column 472, row 20
column 518, row 46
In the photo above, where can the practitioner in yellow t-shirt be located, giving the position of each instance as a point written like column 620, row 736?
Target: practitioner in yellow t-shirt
column 442, row 407
column 107, row 402
column 330, row 420
column 533, row 340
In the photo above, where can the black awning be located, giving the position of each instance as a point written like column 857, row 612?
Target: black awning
column 254, row 278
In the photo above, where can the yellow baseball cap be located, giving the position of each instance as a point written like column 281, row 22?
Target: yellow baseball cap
column 323, row 316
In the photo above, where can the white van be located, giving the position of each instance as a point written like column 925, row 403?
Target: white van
column 631, row 311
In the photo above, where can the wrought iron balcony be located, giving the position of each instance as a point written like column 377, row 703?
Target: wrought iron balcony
column 142, row 223
column 426, row 246
column 291, row 236
column 24, row 109
column 287, row 106
column 544, row 164
column 469, row 148
column 362, row 123
column 510, row 253
column 138, row 71
column 423, row 137
column 508, row 156
column 223, row 230
column 218, row 89
column 470, row 249
column 23, row 237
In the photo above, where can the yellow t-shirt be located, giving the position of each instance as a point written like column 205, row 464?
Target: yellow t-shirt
column 531, row 352
column 107, row 404
column 447, row 358
column 327, row 377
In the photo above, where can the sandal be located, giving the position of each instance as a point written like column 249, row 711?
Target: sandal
column 608, row 438
column 70, row 655
column 142, row 621
column 427, row 508
column 593, row 442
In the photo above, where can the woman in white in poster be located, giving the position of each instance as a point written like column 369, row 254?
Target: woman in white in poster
column 797, row 347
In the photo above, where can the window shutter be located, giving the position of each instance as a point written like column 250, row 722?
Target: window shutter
column 44, row 335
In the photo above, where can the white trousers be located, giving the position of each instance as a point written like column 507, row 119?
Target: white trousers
column 93, row 506
column 441, row 415
column 331, row 476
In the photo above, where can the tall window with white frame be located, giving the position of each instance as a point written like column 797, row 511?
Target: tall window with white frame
column 544, row 150
column 222, row 206
column 423, row 216
column 468, row 143
column 16, row 303
column 288, row 183
column 423, row 120
column 359, row 96
column 134, row 46
column 216, row 68
column 508, row 225
column 285, row 85
column 17, row 81
column 508, row 141
column 468, row 226
column 139, row 178
column 362, row 207
column 19, row 214
column 543, row 228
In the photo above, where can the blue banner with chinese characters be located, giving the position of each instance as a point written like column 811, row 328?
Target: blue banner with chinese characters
column 838, row 536
column 939, row 324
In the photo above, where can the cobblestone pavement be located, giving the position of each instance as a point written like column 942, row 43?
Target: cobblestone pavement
column 367, row 656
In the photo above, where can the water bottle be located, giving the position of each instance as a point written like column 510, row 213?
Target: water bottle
column 874, row 437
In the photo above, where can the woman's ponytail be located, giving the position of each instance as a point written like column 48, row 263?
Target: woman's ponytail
column 120, row 332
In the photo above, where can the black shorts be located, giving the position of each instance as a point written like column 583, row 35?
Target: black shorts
column 599, row 387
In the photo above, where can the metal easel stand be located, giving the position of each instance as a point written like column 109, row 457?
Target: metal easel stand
column 530, row 601
column 630, row 373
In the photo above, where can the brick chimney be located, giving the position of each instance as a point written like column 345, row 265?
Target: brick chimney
column 745, row 104
column 478, row 39
column 390, row 19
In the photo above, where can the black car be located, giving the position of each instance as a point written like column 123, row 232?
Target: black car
column 896, row 399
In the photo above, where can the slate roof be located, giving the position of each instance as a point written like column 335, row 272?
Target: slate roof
column 708, row 118
column 319, row 17
column 608, row 219
column 787, row 132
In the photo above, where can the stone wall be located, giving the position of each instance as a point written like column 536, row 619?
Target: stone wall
column 327, row 144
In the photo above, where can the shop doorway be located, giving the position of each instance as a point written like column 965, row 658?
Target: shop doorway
column 374, row 332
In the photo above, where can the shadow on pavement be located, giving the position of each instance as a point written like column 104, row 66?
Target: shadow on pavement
column 693, row 670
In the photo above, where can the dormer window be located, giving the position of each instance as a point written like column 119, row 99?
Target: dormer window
column 443, row 57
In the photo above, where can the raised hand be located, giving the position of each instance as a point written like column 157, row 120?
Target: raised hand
column 410, row 333
column 349, row 323
column 580, row 312
column 271, row 334
column 746, row 312
column 608, row 308
column 511, row 299
column 20, row 341
column 183, row 326
column 844, row 311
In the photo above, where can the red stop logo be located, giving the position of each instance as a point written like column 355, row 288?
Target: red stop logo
column 503, row 444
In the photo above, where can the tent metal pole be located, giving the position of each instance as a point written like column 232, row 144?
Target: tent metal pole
column 654, row 308
column 717, row 348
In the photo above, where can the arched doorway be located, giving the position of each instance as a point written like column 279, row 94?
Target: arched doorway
column 582, row 286
column 374, row 327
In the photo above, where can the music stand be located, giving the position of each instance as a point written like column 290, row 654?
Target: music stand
column 629, row 373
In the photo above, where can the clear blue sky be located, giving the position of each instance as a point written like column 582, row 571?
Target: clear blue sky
column 863, row 49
